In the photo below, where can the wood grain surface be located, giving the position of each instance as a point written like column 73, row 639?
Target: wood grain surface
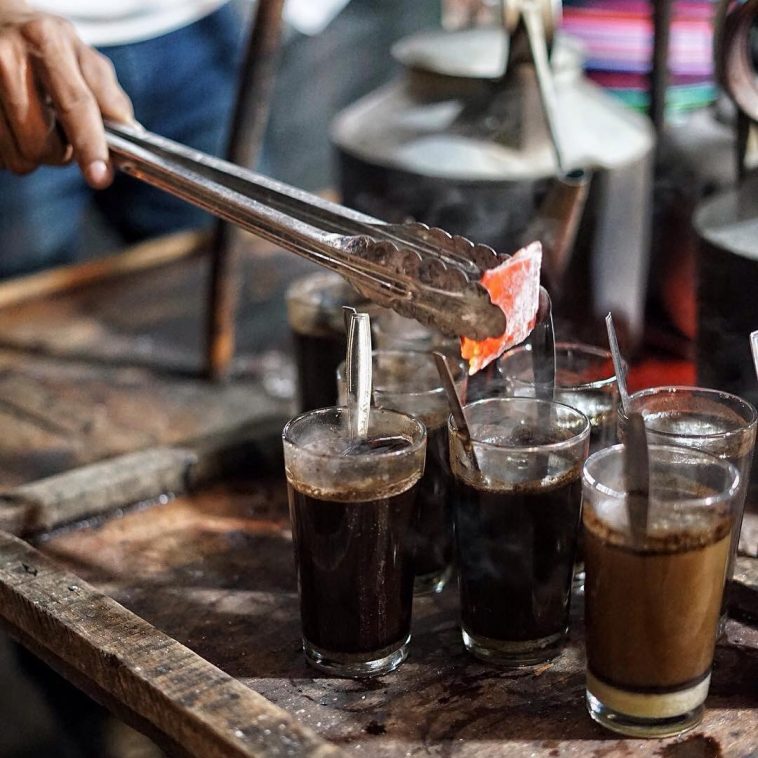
column 137, row 670
column 104, row 370
column 214, row 570
column 110, row 361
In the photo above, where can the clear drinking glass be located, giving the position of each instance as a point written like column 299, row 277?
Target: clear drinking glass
column 516, row 522
column 652, row 602
column 314, row 312
column 408, row 381
column 585, row 379
column 715, row 422
column 392, row 331
column 352, row 507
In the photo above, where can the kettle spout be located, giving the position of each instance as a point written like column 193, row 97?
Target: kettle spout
column 557, row 222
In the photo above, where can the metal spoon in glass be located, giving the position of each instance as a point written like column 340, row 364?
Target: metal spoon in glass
column 637, row 477
column 456, row 408
column 754, row 348
column 358, row 380
column 618, row 363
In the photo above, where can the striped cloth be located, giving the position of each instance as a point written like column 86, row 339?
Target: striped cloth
column 618, row 37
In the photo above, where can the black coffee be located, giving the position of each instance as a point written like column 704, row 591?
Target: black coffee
column 433, row 530
column 355, row 570
column 516, row 557
column 317, row 358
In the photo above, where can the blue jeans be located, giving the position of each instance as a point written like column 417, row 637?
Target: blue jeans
column 182, row 85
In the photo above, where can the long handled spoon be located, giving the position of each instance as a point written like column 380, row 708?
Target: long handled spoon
column 618, row 363
column 637, row 477
column 542, row 340
column 754, row 348
column 359, row 379
column 456, row 408
column 358, row 376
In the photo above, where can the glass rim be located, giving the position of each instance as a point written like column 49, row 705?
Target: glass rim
column 434, row 391
column 594, row 350
column 302, row 289
column 673, row 389
column 614, row 450
column 414, row 446
column 548, row 446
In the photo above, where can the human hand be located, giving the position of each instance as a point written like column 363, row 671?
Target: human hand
column 54, row 93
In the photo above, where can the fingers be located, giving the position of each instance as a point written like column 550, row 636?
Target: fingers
column 100, row 76
column 53, row 46
column 42, row 52
column 12, row 158
column 28, row 125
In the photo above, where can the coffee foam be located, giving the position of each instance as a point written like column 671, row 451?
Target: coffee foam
column 380, row 488
column 670, row 530
column 488, row 480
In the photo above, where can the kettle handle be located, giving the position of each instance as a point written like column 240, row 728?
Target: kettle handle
column 536, row 20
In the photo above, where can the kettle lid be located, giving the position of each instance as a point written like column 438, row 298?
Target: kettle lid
column 730, row 219
column 476, row 53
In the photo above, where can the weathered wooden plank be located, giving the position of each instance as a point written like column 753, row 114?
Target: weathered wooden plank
column 138, row 478
column 214, row 570
column 104, row 359
column 193, row 703
column 146, row 255
column 67, row 414
column 95, row 489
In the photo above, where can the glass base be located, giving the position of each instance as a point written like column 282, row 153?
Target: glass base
column 432, row 583
column 354, row 665
column 508, row 653
column 637, row 714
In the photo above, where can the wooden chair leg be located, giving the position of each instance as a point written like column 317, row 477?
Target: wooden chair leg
column 255, row 87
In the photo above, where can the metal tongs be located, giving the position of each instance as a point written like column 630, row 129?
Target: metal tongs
column 422, row 273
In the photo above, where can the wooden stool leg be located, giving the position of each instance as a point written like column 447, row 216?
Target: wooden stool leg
column 256, row 84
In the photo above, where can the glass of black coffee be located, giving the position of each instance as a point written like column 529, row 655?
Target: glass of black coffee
column 652, row 599
column 585, row 379
column 516, row 509
column 715, row 422
column 408, row 381
column 352, row 507
column 314, row 312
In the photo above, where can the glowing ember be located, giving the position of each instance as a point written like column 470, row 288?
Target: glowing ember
column 514, row 287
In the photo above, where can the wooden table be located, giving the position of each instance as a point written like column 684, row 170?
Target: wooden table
column 146, row 555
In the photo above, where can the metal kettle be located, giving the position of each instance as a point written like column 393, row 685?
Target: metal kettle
column 474, row 138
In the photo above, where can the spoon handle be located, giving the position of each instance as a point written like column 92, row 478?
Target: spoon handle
column 637, row 477
column 618, row 363
column 456, row 408
column 358, row 374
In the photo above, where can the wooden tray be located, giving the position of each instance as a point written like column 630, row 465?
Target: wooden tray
column 171, row 598
column 157, row 574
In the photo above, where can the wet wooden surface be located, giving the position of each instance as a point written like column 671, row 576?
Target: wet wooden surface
column 105, row 368
column 214, row 571
column 142, row 675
